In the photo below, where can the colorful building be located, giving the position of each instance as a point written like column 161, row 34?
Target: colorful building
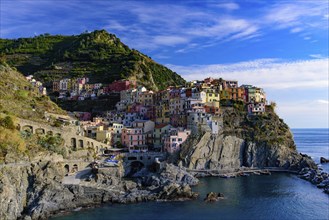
column 132, row 138
column 175, row 138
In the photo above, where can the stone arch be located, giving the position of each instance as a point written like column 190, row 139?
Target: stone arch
column 40, row 131
column 88, row 144
column 66, row 169
column 135, row 166
column 28, row 128
column 74, row 143
column 81, row 143
column 50, row 133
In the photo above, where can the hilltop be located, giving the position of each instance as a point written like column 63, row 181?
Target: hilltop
column 99, row 55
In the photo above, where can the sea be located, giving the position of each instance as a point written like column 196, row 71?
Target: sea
column 278, row 196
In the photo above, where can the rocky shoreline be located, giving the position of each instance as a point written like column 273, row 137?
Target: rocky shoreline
column 37, row 191
column 40, row 193
column 316, row 177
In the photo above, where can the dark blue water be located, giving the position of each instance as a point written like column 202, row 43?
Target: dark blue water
column 279, row 196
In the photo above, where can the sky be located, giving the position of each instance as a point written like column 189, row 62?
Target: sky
column 281, row 46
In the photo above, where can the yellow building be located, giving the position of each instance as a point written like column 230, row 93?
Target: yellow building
column 104, row 136
column 162, row 114
column 212, row 95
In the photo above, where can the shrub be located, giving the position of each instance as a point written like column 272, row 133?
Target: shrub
column 52, row 143
column 7, row 122
column 21, row 94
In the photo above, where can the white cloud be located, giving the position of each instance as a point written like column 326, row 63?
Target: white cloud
column 115, row 25
column 170, row 40
column 296, row 30
column 317, row 56
column 323, row 101
column 266, row 73
column 228, row 6
column 143, row 24
column 298, row 15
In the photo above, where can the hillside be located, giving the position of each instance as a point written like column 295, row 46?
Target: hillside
column 99, row 55
column 19, row 99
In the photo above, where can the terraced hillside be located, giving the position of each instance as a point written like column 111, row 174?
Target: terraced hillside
column 99, row 55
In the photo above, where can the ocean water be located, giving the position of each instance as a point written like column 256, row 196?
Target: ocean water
column 314, row 142
column 279, row 196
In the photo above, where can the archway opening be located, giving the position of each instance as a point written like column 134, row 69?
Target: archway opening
column 27, row 128
column 66, row 169
column 135, row 166
column 81, row 143
column 74, row 143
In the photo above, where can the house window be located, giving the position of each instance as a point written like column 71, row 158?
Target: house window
column 174, row 139
column 180, row 139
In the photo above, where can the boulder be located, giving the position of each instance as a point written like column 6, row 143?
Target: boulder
column 213, row 197
column 324, row 160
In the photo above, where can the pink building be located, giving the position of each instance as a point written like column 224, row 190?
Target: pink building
column 176, row 137
column 133, row 138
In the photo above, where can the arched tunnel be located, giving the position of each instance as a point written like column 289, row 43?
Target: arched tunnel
column 133, row 168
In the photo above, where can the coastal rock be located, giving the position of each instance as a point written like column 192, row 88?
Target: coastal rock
column 317, row 177
column 257, row 141
column 213, row 197
column 177, row 174
column 174, row 191
column 324, row 160
column 13, row 185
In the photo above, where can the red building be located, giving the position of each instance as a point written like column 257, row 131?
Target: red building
column 118, row 86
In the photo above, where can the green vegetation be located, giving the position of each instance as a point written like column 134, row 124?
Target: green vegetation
column 266, row 128
column 7, row 122
column 10, row 139
column 52, row 143
column 99, row 55
column 20, row 99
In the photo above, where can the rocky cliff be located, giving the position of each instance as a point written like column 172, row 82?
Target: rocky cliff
column 35, row 190
column 244, row 140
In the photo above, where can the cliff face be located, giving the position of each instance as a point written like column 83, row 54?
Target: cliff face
column 250, row 141
column 36, row 191
column 13, row 185
column 33, row 189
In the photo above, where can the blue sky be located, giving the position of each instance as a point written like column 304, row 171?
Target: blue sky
column 281, row 46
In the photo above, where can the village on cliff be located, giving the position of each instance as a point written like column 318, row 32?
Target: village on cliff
column 157, row 121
